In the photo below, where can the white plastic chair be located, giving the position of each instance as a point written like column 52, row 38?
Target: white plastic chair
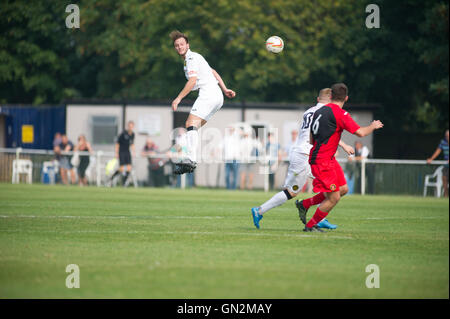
column 434, row 180
column 22, row 166
column 50, row 168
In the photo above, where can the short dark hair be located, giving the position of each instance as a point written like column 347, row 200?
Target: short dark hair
column 338, row 92
column 175, row 35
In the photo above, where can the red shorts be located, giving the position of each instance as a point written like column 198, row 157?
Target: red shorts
column 329, row 176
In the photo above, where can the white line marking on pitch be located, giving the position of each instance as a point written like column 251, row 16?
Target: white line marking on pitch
column 173, row 232
column 424, row 217
column 114, row 217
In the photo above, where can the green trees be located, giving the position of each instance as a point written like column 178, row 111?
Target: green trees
column 122, row 51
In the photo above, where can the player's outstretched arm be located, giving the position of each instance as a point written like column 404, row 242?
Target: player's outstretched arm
column 185, row 91
column 366, row 130
column 347, row 148
column 229, row 93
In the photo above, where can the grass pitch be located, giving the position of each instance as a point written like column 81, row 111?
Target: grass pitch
column 167, row 243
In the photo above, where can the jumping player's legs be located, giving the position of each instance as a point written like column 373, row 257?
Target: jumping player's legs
column 193, row 123
column 203, row 109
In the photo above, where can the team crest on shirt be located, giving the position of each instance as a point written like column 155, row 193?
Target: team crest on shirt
column 295, row 187
column 333, row 187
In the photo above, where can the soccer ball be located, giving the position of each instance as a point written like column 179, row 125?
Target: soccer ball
column 274, row 44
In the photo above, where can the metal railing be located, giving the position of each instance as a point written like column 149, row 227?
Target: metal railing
column 370, row 176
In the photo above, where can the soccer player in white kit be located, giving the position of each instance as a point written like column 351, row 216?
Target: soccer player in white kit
column 299, row 169
column 200, row 77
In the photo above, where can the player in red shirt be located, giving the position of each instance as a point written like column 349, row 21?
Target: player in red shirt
column 327, row 126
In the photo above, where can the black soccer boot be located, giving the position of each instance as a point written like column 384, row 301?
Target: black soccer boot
column 301, row 211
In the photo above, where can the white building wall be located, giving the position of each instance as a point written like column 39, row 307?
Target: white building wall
column 207, row 174
column 78, row 122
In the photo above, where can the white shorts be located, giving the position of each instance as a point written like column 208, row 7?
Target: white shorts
column 209, row 101
column 298, row 172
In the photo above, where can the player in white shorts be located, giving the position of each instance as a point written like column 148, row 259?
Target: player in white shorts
column 200, row 77
column 299, row 170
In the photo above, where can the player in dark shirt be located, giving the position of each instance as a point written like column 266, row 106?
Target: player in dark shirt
column 327, row 126
column 125, row 142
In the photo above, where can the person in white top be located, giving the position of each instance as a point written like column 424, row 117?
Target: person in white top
column 361, row 152
column 299, row 169
column 200, row 77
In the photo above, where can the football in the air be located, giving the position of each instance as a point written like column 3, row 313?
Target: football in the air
column 274, row 44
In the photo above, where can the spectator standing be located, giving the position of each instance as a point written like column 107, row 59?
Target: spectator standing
column 442, row 147
column 248, row 151
column 155, row 164
column 353, row 168
column 275, row 155
column 231, row 153
column 57, row 139
column 287, row 149
column 361, row 152
column 64, row 160
column 83, row 146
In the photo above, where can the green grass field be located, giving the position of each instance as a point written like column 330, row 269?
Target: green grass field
column 167, row 243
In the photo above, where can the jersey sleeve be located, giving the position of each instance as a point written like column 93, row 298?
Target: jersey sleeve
column 118, row 139
column 192, row 66
column 348, row 123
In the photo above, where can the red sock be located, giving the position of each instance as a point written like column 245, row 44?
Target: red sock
column 317, row 199
column 318, row 216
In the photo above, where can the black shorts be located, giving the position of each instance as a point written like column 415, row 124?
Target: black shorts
column 124, row 158
column 445, row 171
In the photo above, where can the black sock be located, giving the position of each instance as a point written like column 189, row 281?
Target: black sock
column 115, row 174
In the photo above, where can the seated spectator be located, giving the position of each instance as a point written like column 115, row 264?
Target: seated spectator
column 83, row 146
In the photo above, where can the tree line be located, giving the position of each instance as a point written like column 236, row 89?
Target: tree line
column 122, row 50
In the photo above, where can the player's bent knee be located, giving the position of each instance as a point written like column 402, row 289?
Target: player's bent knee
column 292, row 194
column 335, row 197
column 288, row 194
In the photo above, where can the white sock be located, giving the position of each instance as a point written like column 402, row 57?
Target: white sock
column 276, row 200
column 192, row 142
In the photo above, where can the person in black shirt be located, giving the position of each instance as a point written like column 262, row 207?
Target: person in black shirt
column 64, row 160
column 83, row 146
column 125, row 142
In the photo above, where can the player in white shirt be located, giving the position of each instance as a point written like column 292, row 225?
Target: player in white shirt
column 299, row 169
column 200, row 77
